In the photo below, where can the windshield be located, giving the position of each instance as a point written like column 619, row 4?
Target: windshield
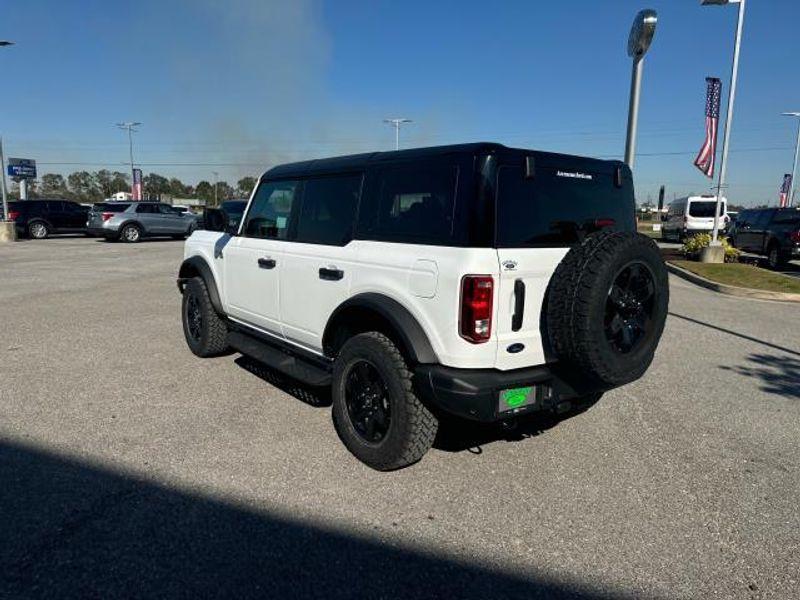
column 705, row 208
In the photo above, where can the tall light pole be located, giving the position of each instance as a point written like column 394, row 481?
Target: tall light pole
column 130, row 126
column 9, row 230
column 723, row 165
column 396, row 123
column 796, row 153
column 216, row 187
column 639, row 40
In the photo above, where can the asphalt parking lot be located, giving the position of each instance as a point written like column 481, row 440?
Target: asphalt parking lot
column 131, row 468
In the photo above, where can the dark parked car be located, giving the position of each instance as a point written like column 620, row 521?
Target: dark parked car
column 771, row 232
column 39, row 218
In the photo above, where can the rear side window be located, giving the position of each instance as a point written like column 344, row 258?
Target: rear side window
column 705, row 208
column 147, row 209
column 556, row 210
column 113, row 208
column 329, row 208
column 413, row 203
column 270, row 210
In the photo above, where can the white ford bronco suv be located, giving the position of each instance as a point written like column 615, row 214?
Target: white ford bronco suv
column 475, row 281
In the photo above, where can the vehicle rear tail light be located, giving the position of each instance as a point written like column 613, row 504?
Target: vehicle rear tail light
column 477, row 296
column 13, row 215
column 106, row 216
column 794, row 236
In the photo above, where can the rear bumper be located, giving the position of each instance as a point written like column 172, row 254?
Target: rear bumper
column 475, row 393
column 102, row 232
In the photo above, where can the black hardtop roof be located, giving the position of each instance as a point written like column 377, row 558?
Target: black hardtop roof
column 361, row 161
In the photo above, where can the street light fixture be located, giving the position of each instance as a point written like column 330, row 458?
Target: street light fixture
column 396, row 124
column 130, row 126
column 789, row 202
column 729, row 117
column 639, row 40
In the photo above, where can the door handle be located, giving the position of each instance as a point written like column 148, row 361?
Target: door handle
column 266, row 263
column 519, row 305
column 331, row 274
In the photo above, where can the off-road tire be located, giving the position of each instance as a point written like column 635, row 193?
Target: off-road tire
column 412, row 427
column 576, row 308
column 214, row 332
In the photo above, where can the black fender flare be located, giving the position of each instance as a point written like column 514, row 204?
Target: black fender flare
column 194, row 266
column 408, row 329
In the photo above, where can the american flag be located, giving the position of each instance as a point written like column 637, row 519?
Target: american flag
column 706, row 159
column 136, row 190
column 785, row 187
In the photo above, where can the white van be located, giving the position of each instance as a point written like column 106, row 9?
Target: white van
column 692, row 215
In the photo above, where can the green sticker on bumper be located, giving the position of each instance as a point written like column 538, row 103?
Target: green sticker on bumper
column 516, row 397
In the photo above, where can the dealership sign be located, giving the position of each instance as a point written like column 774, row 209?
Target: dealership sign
column 22, row 168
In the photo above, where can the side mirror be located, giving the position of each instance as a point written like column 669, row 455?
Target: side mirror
column 216, row 220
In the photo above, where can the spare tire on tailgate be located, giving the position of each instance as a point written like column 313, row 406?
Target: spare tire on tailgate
column 607, row 305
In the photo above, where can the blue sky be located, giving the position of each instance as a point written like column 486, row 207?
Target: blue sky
column 237, row 86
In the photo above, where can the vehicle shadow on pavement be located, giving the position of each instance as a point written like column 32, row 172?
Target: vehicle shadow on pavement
column 778, row 374
column 454, row 435
column 76, row 530
column 459, row 435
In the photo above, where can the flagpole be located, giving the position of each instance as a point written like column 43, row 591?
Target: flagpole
column 728, row 119
column 789, row 200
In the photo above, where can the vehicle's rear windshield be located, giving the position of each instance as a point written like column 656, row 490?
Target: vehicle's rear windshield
column 557, row 207
column 705, row 208
column 110, row 207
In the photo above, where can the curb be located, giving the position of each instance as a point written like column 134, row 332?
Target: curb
column 731, row 290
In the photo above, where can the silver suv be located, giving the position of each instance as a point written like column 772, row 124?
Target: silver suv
column 131, row 221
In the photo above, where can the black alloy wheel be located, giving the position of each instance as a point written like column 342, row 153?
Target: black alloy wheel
column 630, row 307
column 194, row 318
column 367, row 400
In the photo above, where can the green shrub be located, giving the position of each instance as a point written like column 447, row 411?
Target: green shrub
column 693, row 245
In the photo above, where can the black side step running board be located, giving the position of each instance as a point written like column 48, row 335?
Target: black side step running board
column 279, row 359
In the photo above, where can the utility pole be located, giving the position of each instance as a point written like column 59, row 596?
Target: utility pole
column 396, row 123
column 130, row 127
